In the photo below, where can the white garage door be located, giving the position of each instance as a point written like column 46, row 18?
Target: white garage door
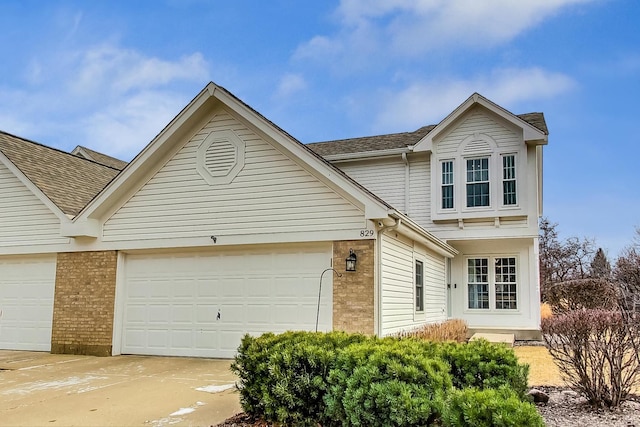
column 202, row 304
column 27, row 285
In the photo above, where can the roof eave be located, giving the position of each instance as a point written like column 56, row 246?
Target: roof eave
column 374, row 154
column 415, row 231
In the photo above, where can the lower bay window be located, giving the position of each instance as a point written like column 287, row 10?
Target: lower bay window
column 492, row 282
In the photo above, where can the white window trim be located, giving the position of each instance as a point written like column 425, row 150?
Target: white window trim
column 517, row 179
column 463, row 193
column 492, row 285
column 419, row 314
column 441, row 183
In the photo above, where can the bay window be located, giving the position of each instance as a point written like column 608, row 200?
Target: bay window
column 496, row 286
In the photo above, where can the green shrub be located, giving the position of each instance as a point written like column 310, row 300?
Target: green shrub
column 283, row 377
column 484, row 365
column 335, row 379
column 488, row 408
column 386, row 382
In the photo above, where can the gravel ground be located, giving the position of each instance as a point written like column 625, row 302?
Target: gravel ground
column 566, row 409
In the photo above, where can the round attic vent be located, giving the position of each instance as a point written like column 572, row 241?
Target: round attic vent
column 220, row 157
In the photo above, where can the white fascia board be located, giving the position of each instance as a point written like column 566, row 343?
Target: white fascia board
column 414, row 231
column 378, row 154
column 327, row 173
column 34, row 189
column 531, row 134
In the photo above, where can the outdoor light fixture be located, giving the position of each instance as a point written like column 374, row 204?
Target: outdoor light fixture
column 351, row 261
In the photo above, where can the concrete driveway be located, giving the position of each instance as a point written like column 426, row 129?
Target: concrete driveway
column 38, row 389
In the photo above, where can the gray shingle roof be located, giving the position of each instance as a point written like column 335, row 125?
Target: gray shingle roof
column 69, row 181
column 97, row 157
column 398, row 140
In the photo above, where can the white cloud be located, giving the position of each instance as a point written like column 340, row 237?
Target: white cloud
column 123, row 70
column 408, row 28
column 290, row 84
column 106, row 97
column 124, row 127
column 429, row 102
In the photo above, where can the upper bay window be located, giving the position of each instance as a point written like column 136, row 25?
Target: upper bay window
column 478, row 182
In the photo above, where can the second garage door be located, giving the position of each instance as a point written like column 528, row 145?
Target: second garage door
column 192, row 304
column 26, row 302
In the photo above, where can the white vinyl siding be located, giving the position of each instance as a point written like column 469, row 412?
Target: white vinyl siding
column 270, row 194
column 384, row 178
column 478, row 122
column 201, row 304
column 25, row 219
column 398, row 286
column 26, row 302
column 420, row 186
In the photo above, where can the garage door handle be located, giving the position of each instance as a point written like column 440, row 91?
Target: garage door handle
column 218, row 316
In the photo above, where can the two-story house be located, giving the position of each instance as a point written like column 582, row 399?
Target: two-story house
column 475, row 181
column 224, row 224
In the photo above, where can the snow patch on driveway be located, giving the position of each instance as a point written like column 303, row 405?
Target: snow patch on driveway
column 216, row 388
column 52, row 385
column 174, row 417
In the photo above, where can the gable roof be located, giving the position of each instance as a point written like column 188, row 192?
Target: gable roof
column 398, row 141
column 97, row 157
column 69, row 181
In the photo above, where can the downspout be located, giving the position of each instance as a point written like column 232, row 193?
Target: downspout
column 378, row 293
column 407, row 183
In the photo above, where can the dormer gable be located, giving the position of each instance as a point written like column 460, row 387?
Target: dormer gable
column 531, row 134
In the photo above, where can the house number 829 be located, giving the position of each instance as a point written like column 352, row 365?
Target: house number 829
column 366, row 233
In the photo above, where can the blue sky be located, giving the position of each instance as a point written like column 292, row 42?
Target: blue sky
column 111, row 74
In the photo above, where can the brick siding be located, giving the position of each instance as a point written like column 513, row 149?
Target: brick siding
column 353, row 293
column 84, row 301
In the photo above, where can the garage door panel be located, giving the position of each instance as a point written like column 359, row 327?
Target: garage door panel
column 26, row 302
column 182, row 314
column 259, row 291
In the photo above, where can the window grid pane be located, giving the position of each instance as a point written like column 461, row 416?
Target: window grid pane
column 506, row 284
column 419, row 286
column 478, row 282
column 447, row 184
column 478, row 182
column 509, row 180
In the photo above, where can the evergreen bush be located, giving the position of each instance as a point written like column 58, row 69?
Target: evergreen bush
column 488, row 408
column 484, row 365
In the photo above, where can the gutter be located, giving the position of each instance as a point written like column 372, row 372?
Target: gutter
column 416, row 232
column 367, row 154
